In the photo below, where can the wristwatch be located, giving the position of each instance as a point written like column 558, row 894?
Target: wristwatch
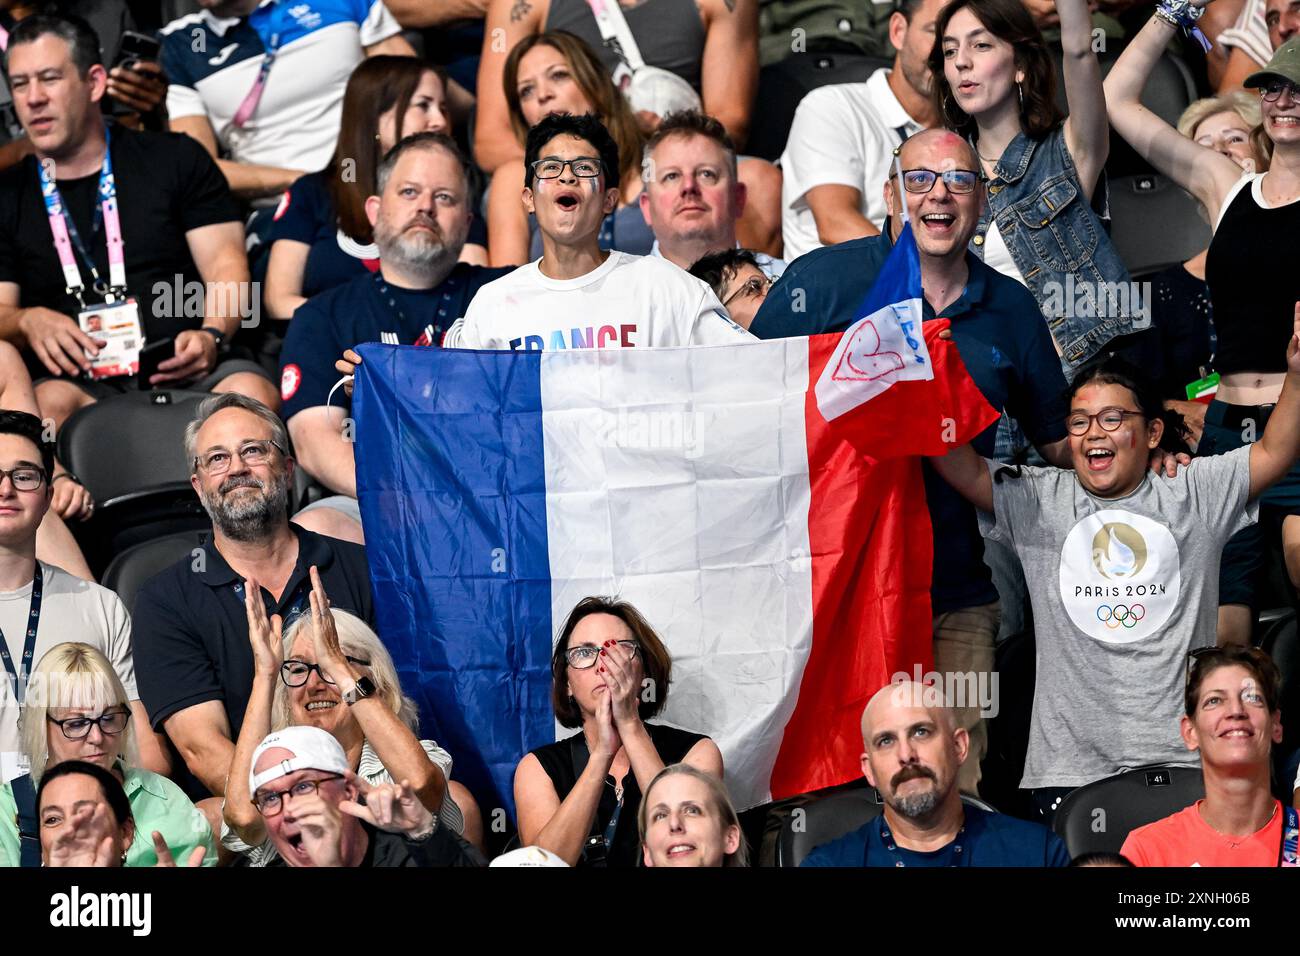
column 217, row 335
column 363, row 688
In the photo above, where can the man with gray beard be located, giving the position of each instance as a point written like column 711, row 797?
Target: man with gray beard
column 194, row 662
column 421, row 219
column 914, row 748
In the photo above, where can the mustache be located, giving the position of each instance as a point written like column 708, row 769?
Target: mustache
column 421, row 219
column 912, row 772
column 240, row 481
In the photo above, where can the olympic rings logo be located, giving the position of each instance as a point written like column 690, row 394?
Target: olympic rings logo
column 1120, row 615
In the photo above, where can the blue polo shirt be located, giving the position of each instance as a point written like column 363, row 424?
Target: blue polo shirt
column 327, row 325
column 1007, row 349
column 988, row 839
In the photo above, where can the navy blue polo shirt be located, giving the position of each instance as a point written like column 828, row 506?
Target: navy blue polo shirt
column 190, row 629
column 326, row 326
column 1003, row 341
column 988, row 839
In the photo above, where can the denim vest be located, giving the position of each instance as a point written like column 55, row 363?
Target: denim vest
column 1060, row 247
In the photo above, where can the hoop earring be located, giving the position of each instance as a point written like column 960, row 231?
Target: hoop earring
column 947, row 117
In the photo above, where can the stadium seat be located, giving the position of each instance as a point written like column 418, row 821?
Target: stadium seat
column 830, row 818
column 1154, row 223
column 1099, row 817
column 137, row 564
column 782, row 85
column 128, row 450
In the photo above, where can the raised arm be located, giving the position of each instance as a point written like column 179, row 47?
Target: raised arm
column 1087, row 132
column 508, row 22
column 1277, row 449
column 268, row 654
column 729, row 69
column 965, row 471
column 1204, row 173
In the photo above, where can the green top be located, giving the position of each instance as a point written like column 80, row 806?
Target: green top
column 156, row 803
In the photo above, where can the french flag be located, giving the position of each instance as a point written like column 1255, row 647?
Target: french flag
column 761, row 504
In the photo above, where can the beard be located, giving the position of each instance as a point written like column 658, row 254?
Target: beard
column 915, row 805
column 420, row 253
column 248, row 517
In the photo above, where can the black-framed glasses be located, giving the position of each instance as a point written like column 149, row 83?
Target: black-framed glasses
column 296, row 673
column 552, row 167
column 756, row 287
column 959, row 181
column 78, row 728
column 586, row 655
column 1109, row 419
column 217, row 461
column 1271, row 91
column 24, row 477
column 271, row 802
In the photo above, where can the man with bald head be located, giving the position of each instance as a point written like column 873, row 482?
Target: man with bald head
column 1003, row 341
column 913, row 753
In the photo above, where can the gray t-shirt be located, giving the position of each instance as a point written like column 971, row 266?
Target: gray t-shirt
column 71, row 610
column 1122, row 589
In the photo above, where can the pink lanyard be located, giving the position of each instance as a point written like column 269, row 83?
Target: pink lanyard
column 66, row 236
column 254, row 96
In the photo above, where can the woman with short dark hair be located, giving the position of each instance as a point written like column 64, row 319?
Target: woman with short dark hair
column 579, row 797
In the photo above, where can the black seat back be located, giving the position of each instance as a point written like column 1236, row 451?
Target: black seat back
column 1154, row 223
column 134, row 566
column 1098, row 818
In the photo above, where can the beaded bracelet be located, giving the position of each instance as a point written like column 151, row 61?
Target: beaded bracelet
column 1182, row 15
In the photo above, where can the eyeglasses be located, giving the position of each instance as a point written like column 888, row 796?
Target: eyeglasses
column 24, row 478
column 1108, row 418
column 585, row 655
column 753, row 289
column 959, row 181
column 271, row 802
column 78, row 728
column 250, row 453
column 552, row 167
column 1272, row 90
column 296, row 673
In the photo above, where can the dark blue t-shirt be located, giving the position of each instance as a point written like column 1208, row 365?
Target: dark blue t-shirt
column 306, row 214
column 988, row 839
column 1003, row 341
column 326, row 326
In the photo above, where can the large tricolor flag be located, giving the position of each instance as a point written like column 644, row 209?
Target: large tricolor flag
column 761, row 504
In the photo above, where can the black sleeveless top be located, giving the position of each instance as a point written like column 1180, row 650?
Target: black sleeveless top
column 564, row 762
column 1254, row 283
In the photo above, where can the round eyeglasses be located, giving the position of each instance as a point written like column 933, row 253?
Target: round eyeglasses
column 586, row 655
column 1271, row 91
column 1108, row 418
column 217, row 461
column 78, row 728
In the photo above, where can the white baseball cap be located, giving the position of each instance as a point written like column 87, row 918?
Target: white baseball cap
column 312, row 749
column 528, row 856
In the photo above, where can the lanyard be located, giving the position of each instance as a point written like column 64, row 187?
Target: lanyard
column 426, row 337
column 1287, row 853
column 254, row 96
column 887, row 839
column 66, row 236
column 19, row 678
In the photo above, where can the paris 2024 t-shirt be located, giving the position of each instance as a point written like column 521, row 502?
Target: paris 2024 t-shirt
column 1122, row 589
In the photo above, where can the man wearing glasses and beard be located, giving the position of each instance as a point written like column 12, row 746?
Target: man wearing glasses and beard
column 196, row 666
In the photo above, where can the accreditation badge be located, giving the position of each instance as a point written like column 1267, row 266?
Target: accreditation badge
column 117, row 325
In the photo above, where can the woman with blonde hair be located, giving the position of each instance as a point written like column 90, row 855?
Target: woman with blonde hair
column 687, row 819
column 329, row 670
column 77, row 709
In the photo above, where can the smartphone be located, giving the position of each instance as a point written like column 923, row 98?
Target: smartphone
column 136, row 47
column 150, row 357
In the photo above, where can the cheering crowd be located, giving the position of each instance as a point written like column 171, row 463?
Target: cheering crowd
column 231, row 196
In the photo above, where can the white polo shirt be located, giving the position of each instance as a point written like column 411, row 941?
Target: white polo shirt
column 842, row 135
